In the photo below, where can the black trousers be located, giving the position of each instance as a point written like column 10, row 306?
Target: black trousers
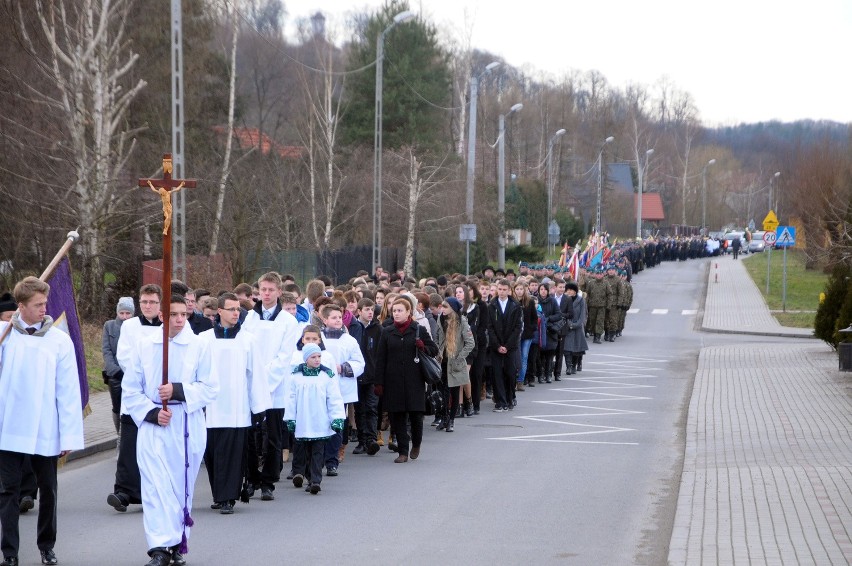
column 366, row 414
column 399, row 425
column 225, row 459
column 11, row 468
column 505, row 371
column 29, row 485
column 272, row 457
column 477, row 372
column 127, row 478
column 557, row 370
column 308, row 459
column 114, row 384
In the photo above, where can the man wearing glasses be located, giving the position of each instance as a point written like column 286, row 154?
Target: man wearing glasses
column 127, row 489
column 231, row 357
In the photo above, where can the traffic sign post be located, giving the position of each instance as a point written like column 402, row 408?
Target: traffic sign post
column 785, row 238
column 769, row 238
column 770, row 223
column 467, row 234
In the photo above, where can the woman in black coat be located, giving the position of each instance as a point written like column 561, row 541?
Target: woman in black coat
column 398, row 379
column 549, row 340
column 477, row 319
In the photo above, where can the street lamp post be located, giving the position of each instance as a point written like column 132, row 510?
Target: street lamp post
column 377, row 138
column 501, row 186
column 559, row 133
column 771, row 180
column 704, row 197
column 641, row 189
column 471, row 150
column 610, row 139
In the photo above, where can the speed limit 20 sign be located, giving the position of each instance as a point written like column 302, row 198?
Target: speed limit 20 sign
column 769, row 238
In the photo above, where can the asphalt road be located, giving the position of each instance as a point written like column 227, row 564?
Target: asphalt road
column 582, row 472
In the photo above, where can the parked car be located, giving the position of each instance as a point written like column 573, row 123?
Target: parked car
column 731, row 236
column 756, row 244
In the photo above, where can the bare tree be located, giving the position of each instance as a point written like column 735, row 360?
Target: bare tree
column 229, row 135
column 86, row 65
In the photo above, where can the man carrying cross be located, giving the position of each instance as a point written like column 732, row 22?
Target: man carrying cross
column 171, row 441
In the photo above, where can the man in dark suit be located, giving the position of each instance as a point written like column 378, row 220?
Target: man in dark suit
column 504, row 334
column 564, row 303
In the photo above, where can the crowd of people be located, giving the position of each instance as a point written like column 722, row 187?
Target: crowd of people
column 271, row 379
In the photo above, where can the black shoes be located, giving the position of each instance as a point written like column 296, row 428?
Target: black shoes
column 557, row 378
column 48, row 557
column 372, row 448
column 266, row 494
column 449, row 427
column 360, row 449
column 26, row 503
column 298, row 480
column 177, row 557
column 159, row 557
column 597, row 339
column 118, row 501
column 541, row 379
column 332, row 471
column 437, row 422
column 10, row 561
column 314, row 488
column 226, row 508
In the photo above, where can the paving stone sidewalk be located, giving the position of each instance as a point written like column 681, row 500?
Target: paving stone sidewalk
column 734, row 304
column 768, row 463
column 98, row 428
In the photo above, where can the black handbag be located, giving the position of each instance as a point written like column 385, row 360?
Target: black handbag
column 434, row 401
column 430, row 369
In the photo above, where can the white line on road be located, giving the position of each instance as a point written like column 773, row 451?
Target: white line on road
column 660, row 311
column 632, row 311
column 689, row 312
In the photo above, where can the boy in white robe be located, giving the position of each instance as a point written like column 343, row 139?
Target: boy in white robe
column 170, row 443
column 40, row 414
column 231, row 357
column 126, row 489
column 314, row 413
column 276, row 331
column 350, row 360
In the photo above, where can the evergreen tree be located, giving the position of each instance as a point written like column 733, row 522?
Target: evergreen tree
column 836, row 289
column 416, row 83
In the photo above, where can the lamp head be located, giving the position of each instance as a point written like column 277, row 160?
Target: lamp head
column 778, row 173
column 516, row 107
column 560, row 132
column 649, row 152
column 711, row 162
column 403, row 16
column 610, row 139
column 491, row 66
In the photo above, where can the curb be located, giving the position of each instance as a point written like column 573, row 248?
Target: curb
column 92, row 449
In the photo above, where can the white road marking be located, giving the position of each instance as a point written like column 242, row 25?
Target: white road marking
column 660, row 311
column 689, row 312
column 632, row 311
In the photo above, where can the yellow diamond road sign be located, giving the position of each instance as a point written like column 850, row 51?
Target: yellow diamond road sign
column 770, row 223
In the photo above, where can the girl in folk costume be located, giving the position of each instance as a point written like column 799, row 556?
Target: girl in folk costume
column 170, row 443
column 314, row 412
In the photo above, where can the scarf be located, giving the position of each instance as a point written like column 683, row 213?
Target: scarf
column 402, row 326
column 18, row 324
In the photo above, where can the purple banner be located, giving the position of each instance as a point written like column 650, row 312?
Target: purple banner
column 62, row 307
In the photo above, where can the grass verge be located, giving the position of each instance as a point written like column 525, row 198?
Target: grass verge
column 803, row 285
column 92, row 341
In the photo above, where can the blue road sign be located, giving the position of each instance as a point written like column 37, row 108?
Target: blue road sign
column 785, row 237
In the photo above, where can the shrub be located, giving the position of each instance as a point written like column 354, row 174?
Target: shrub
column 828, row 312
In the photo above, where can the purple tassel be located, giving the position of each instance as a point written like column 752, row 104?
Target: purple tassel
column 187, row 520
column 183, row 546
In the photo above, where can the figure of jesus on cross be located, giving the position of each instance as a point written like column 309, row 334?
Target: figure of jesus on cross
column 165, row 187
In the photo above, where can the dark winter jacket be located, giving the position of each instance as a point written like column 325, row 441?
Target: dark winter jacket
column 504, row 328
column 549, row 314
column 396, row 371
column 369, row 342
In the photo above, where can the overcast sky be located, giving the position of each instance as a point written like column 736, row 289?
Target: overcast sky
column 742, row 60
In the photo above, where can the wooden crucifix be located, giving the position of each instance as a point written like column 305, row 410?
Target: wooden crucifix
column 165, row 187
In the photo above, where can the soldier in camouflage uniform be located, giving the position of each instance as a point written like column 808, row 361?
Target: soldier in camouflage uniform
column 596, row 299
column 625, row 299
column 613, row 284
